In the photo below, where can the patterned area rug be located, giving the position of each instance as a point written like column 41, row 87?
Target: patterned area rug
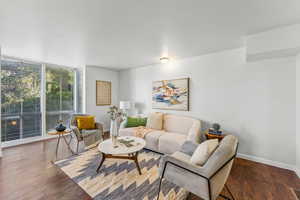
column 119, row 179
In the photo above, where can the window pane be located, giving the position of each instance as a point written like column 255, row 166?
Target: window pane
column 51, row 120
column 68, row 91
column 20, row 96
column 79, row 84
column 59, row 95
column 10, row 128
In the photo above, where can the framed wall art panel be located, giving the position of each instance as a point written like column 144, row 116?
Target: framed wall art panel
column 103, row 93
column 171, row 94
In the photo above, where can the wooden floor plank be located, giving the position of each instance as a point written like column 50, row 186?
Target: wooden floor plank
column 27, row 172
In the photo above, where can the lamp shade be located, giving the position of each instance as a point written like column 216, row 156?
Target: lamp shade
column 125, row 105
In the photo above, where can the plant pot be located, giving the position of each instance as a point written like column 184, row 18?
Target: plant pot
column 60, row 127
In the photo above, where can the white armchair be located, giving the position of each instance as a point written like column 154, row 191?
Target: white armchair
column 205, row 181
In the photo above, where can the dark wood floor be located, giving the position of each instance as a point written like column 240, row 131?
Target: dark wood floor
column 26, row 172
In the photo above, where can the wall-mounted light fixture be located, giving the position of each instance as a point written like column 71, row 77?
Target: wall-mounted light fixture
column 164, row 60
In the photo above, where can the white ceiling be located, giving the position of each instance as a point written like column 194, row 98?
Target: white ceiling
column 130, row 33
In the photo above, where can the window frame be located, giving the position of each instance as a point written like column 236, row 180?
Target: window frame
column 43, row 91
column 21, row 116
column 75, row 85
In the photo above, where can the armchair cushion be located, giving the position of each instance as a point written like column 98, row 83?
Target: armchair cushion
column 203, row 152
column 85, row 122
column 87, row 132
column 182, row 160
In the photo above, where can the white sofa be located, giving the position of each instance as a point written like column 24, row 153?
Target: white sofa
column 176, row 130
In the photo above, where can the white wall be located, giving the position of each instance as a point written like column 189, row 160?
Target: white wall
column 298, row 116
column 254, row 101
column 279, row 39
column 96, row 73
column 0, row 106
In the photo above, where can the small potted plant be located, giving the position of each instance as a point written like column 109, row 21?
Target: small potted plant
column 60, row 127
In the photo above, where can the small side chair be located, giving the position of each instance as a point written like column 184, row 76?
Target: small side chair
column 205, row 181
column 89, row 136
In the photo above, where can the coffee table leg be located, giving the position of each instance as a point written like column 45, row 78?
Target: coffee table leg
column 135, row 157
column 103, row 158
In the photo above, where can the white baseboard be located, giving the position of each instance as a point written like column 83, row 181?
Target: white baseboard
column 27, row 140
column 268, row 162
column 297, row 170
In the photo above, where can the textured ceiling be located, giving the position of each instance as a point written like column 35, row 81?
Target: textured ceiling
column 130, row 33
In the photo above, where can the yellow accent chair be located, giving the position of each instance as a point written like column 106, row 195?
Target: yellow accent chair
column 86, row 129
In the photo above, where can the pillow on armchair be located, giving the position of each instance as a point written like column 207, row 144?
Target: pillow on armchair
column 203, row 151
column 85, row 122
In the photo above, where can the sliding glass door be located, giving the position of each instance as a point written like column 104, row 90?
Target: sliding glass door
column 60, row 93
column 21, row 100
column 34, row 96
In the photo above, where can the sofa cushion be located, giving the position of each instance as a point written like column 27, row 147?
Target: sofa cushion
column 152, row 139
column 126, row 131
column 203, row 152
column 171, row 142
column 155, row 121
column 177, row 124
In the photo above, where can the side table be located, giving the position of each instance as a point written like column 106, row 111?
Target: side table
column 62, row 134
column 214, row 136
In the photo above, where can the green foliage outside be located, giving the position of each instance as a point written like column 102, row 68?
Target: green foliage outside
column 59, row 87
column 20, row 85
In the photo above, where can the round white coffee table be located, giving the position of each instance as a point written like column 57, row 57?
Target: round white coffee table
column 127, row 147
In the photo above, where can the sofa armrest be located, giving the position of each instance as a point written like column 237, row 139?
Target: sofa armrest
column 194, row 132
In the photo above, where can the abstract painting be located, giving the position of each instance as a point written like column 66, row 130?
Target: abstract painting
column 171, row 94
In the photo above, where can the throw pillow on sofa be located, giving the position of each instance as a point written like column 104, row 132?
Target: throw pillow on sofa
column 135, row 122
column 155, row 121
column 203, row 152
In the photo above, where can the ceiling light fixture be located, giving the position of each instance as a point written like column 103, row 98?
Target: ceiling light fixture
column 164, row 60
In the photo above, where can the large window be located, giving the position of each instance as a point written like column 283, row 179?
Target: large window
column 20, row 97
column 24, row 85
column 60, row 87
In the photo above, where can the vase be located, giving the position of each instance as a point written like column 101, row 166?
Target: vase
column 114, row 132
column 60, row 127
